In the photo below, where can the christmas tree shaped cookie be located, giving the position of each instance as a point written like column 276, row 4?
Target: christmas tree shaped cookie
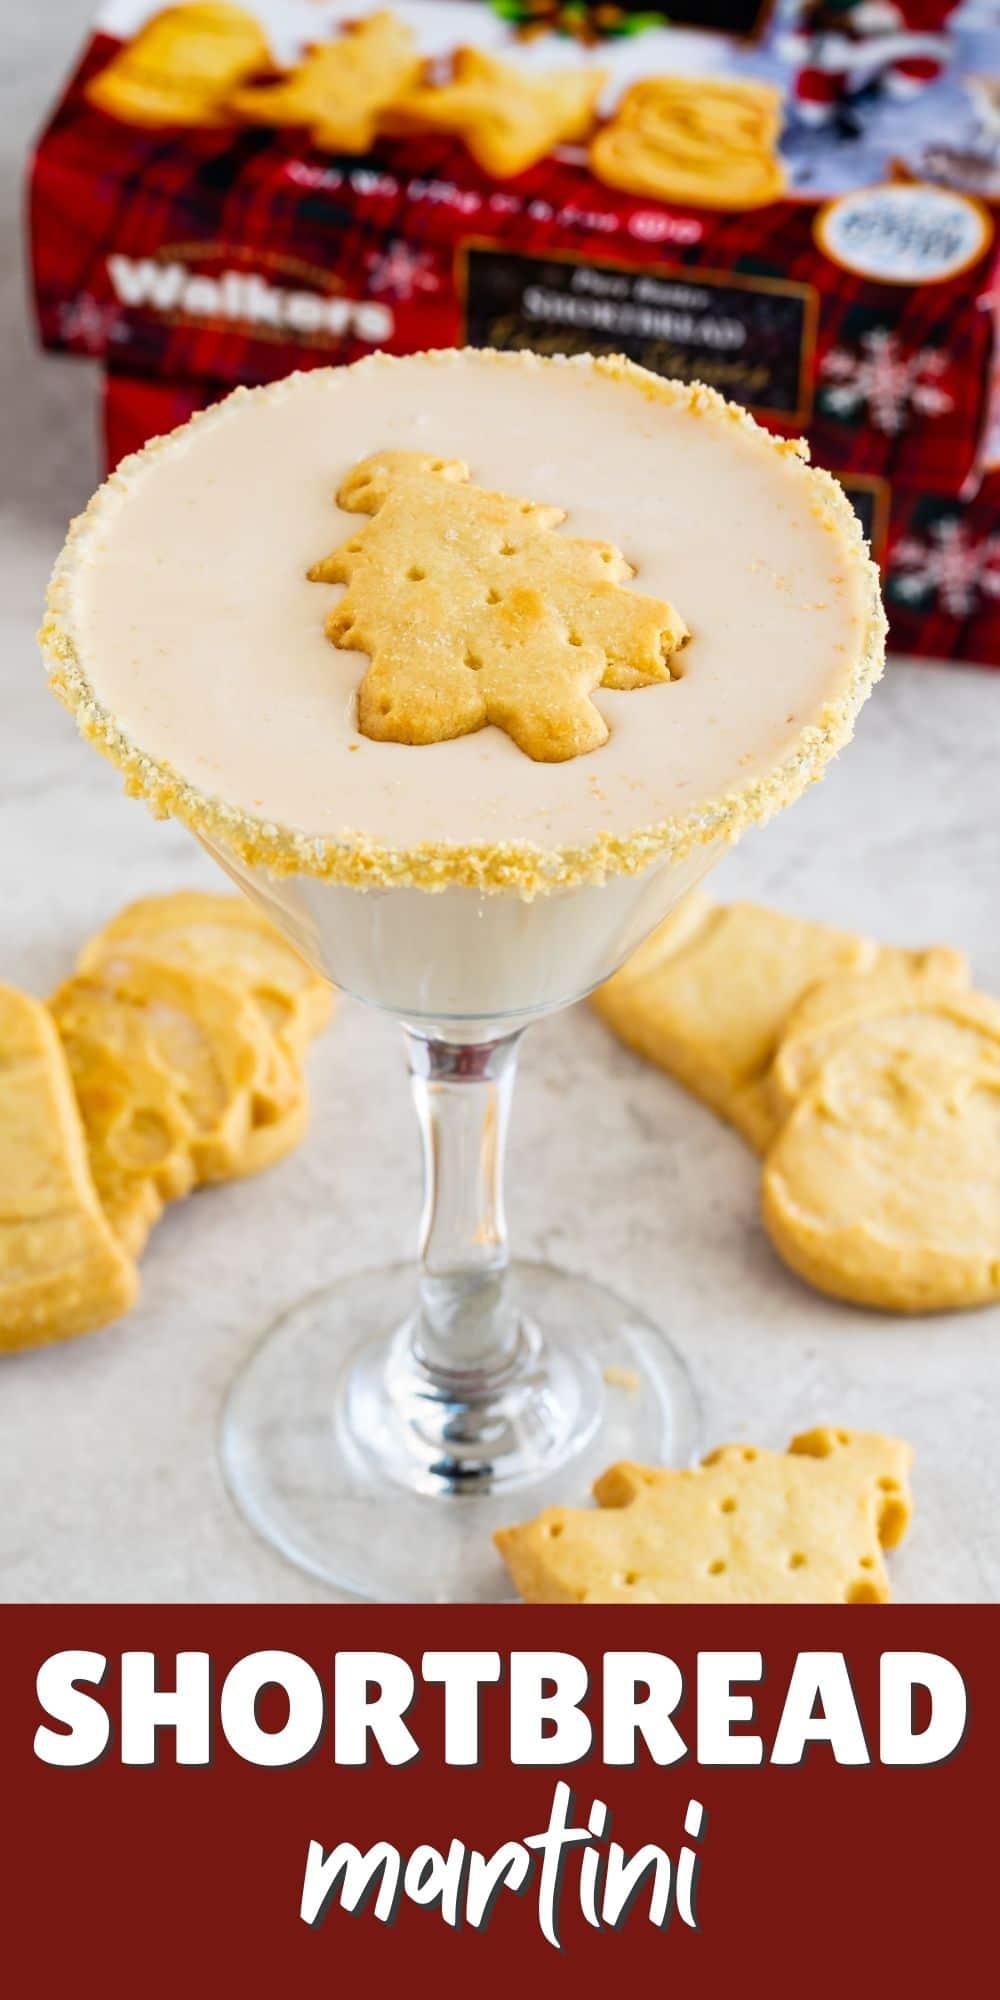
column 340, row 88
column 473, row 610
column 806, row 1526
column 507, row 116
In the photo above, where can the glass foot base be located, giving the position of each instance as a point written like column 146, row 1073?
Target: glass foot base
column 387, row 1482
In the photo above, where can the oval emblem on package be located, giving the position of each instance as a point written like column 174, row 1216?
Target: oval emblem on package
column 904, row 233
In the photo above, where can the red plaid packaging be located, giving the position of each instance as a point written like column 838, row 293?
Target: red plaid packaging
column 795, row 201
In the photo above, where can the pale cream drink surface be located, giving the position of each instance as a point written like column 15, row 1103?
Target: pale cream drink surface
column 467, row 883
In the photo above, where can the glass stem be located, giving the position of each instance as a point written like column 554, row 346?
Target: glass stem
column 467, row 1325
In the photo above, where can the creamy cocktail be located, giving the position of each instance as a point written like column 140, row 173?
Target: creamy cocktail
column 467, row 884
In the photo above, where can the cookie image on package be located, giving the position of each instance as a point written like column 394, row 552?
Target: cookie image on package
column 708, row 996
column 62, row 1270
column 806, row 1526
column 472, row 610
column 701, row 140
column 340, row 89
column 182, row 66
column 883, row 1184
column 508, row 117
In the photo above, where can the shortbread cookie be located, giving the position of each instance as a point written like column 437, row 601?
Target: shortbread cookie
column 883, row 1185
column 202, row 1034
column 833, row 1008
column 62, row 1271
column 340, row 89
column 274, row 1132
column 227, row 939
column 472, row 610
column 509, row 117
column 181, row 68
column 269, row 1122
column 278, row 1105
column 139, row 1124
column 138, row 1127
column 708, row 995
column 709, row 142
column 806, row 1526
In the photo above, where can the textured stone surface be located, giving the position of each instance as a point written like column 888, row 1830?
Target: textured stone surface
column 109, row 1486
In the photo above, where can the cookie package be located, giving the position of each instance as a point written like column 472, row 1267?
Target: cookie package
column 228, row 192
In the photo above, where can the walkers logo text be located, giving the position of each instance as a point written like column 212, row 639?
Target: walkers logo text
column 245, row 300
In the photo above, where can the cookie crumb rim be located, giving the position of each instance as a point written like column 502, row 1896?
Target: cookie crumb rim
column 352, row 858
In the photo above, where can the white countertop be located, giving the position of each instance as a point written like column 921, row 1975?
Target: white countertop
column 109, row 1484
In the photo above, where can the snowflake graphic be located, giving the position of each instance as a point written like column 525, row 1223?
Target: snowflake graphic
column 402, row 272
column 948, row 567
column 880, row 378
column 86, row 323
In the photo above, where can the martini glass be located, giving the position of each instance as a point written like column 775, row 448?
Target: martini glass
column 385, row 1425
